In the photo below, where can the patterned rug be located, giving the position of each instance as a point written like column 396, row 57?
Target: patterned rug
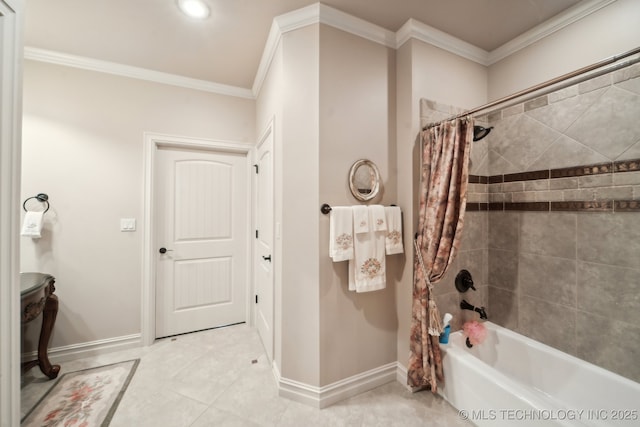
column 86, row 398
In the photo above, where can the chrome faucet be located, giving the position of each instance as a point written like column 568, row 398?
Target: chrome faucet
column 480, row 310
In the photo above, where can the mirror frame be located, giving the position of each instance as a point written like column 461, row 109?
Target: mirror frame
column 376, row 177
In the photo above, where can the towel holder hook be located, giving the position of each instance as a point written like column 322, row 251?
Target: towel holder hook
column 41, row 197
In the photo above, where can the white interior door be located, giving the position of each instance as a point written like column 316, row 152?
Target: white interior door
column 263, row 249
column 201, row 212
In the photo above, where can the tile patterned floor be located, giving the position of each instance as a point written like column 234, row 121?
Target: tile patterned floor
column 208, row 379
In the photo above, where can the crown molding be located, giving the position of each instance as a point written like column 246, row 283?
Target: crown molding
column 298, row 18
column 65, row 59
column 356, row 26
column 321, row 13
column 268, row 53
column 317, row 13
column 558, row 22
column 413, row 29
column 282, row 24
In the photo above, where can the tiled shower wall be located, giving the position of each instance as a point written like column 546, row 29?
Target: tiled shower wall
column 553, row 221
column 569, row 280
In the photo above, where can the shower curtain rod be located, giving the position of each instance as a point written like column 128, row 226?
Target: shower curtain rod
column 548, row 83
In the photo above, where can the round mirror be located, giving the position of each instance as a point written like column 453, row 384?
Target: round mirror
column 364, row 180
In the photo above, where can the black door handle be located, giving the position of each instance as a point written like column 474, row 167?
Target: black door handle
column 164, row 250
column 267, row 258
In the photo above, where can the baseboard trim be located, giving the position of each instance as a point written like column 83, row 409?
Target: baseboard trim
column 401, row 375
column 321, row 397
column 88, row 349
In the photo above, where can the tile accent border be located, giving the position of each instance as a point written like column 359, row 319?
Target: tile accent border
column 478, row 179
column 626, row 205
column 575, row 206
column 584, row 170
column 475, row 207
column 526, row 176
column 527, row 206
column 602, row 187
column 606, row 206
column 627, row 166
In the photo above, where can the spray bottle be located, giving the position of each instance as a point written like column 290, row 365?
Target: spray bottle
column 444, row 336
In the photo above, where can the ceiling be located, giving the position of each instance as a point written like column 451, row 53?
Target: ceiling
column 227, row 47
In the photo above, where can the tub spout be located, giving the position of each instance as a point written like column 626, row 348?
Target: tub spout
column 465, row 305
column 480, row 310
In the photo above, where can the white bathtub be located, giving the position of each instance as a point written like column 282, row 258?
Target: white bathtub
column 512, row 380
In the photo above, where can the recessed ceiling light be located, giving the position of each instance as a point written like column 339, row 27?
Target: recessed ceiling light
column 194, row 8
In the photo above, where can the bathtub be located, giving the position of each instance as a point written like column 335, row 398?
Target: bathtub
column 512, row 380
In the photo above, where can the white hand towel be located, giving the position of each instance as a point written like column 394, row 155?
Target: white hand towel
column 378, row 217
column 32, row 225
column 394, row 230
column 360, row 219
column 352, row 274
column 367, row 271
column 341, row 233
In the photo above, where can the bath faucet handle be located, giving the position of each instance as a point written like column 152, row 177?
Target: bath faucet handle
column 464, row 281
column 482, row 312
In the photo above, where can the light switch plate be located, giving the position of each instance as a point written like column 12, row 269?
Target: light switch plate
column 127, row 224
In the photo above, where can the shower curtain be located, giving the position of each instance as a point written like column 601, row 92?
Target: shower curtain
column 443, row 196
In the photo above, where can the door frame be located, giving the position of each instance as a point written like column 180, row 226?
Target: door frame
column 11, row 54
column 152, row 143
column 268, row 131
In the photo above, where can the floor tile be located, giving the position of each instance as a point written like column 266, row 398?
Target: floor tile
column 221, row 377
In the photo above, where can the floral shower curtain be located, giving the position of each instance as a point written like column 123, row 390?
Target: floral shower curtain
column 443, row 196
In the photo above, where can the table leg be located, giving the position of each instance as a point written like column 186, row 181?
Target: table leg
column 49, row 314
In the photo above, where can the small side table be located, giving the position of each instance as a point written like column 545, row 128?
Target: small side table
column 36, row 294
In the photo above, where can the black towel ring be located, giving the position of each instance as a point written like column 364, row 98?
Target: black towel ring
column 41, row 197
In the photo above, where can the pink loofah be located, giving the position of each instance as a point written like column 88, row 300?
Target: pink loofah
column 475, row 332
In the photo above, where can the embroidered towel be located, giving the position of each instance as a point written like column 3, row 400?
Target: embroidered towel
column 378, row 218
column 394, row 230
column 32, row 225
column 367, row 271
column 341, row 233
column 360, row 219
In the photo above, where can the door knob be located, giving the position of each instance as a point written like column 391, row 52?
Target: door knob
column 165, row 250
column 267, row 258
